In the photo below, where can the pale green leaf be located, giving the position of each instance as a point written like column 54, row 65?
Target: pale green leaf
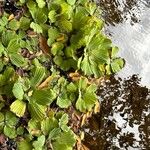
column 41, row 3
column 18, row 107
column 52, row 16
column 36, row 27
column 63, row 101
column 65, row 140
column 38, row 145
column 65, row 25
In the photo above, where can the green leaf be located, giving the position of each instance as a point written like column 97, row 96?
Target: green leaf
column 63, row 123
column 13, row 46
column 41, row 3
column 87, row 99
column 65, row 25
column 1, row 49
column 57, row 47
column 18, row 107
column 2, row 118
column 20, row 130
column 17, row 59
column 54, row 134
column 44, row 97
column 18, row 90
column 37, row 111
column 14, row 24
column 53, row 35
column 40, row 17
column 6, row 76
column 52, row 16
column 36, row 27
column 71, row 87
column 86, row 66
column 38, row 145
column 24, row 23
column 71, row 2
column 80, row 105
column 63, row 101
column 24, row 144
column 8, row 36
column 2, row 121
column 83, row 82
column 115, row 50
column 34, row 127
column 65, row 140
column 11, row 119
column 3, row 21
column 38, row 76
column 10, row 132
column 48, row 124
column 117, row 64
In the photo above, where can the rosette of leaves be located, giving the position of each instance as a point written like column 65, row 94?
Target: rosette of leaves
column 79, row 93
column 77, row 41
column 30, row 98
column 8, row 125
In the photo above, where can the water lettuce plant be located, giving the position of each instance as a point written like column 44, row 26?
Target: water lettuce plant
column 42, row 43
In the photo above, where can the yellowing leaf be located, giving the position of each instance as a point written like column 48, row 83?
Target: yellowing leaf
column 18, row 107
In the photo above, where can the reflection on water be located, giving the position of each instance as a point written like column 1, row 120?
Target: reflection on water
column 124, row 120
column 128, row 24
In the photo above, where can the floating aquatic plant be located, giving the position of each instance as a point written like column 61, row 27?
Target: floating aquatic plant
column 41, row 44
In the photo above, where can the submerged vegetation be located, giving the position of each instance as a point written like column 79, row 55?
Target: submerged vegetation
column 52, row 54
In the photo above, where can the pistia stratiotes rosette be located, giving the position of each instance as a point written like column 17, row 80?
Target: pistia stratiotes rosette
column 41, row 43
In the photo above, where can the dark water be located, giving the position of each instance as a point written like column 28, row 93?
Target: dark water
column 124, row 120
